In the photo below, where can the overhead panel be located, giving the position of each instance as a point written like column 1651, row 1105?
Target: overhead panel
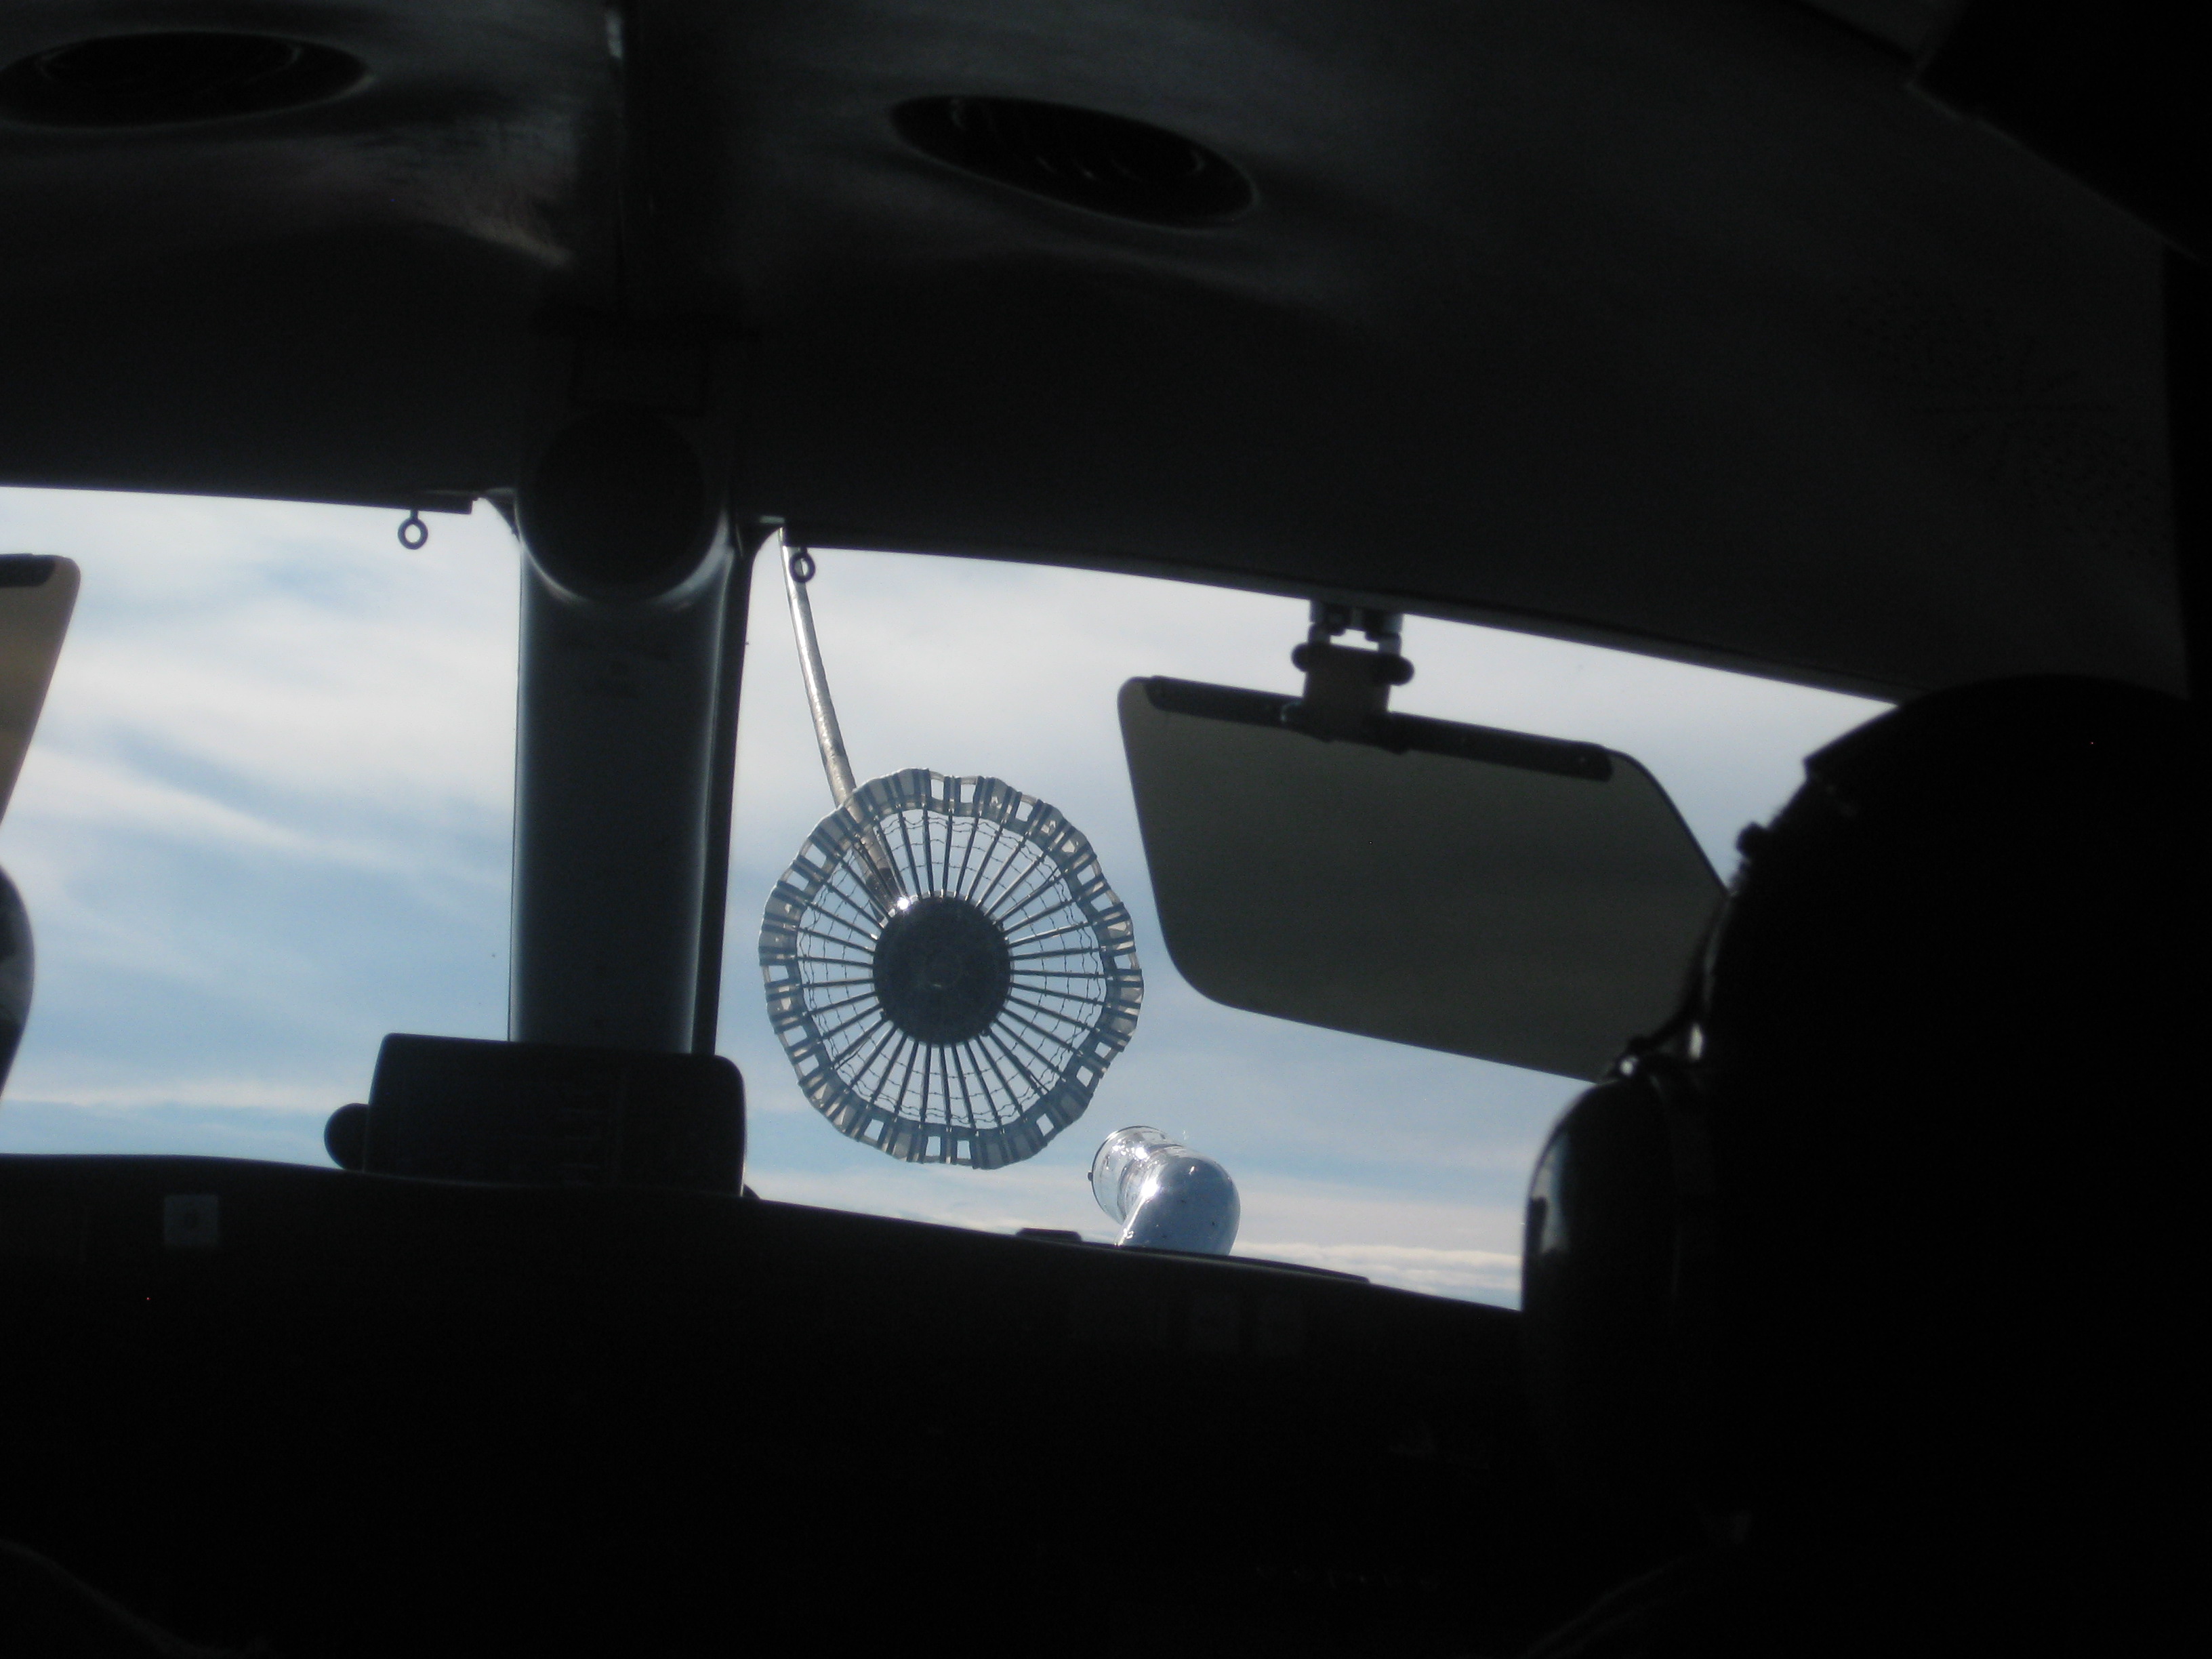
column 1677, row 324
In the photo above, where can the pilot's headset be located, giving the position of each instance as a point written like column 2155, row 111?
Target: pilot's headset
column 1773, row 1256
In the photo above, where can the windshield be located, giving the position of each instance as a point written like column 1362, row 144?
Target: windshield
column 266, row 820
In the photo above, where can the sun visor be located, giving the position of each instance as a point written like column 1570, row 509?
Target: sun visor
column 1512, row 897
column 38, row 591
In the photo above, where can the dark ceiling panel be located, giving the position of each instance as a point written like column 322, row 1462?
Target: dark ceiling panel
column 333, row 302
column 1684, row 324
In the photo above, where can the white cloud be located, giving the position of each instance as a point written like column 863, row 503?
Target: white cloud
column 265, row 816
column 265, row 820
column 971, row 665
column 226, row 1130
column 1403, row 1165
column 134, row 1098
column 292, row 652
column 99, row 791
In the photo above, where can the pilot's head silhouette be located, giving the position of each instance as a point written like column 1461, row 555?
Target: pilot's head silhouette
column 1857, row 1260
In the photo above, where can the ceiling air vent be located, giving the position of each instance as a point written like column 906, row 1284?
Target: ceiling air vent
column 161, row 80
column 1106, row 163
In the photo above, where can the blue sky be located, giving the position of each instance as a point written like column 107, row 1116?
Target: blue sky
column 266, row 820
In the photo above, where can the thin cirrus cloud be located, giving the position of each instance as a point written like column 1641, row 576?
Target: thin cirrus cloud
column 1405, row 1165
column 265, row 817
column 266, row 820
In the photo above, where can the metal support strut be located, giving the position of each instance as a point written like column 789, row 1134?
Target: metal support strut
column 625, row 604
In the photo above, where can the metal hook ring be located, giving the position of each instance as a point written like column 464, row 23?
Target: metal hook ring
column 414, row 534
column 802, row 565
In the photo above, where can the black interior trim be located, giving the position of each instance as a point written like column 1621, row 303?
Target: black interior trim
column 1399, row 733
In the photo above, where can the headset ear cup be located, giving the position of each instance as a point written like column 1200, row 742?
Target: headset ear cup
column 1597, row 1317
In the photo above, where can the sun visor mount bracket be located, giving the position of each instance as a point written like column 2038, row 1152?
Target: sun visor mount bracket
column 1347, row 689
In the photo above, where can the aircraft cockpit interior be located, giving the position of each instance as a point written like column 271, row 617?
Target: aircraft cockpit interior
column 1118, row 828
